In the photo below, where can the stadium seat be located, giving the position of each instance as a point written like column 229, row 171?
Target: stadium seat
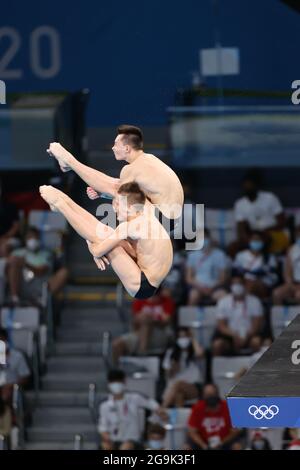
column 221, row 224
column 176, row 428
column 47, row 221
column 20, row 317
column 24, row 340
column 26, row 318
column 224, row 370
column 142, row 382
column 51, row 224
column 201, row 319
column 281, row 316
column 150, row 363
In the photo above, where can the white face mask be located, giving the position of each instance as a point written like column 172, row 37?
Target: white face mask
column 238, row 290
column 32, row 244
column 116, row 388
column 155, row 444
column 183, row 343
column 259, row 444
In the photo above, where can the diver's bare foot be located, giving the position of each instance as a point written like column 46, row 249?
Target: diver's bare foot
column 51, row 196
column 62, row 156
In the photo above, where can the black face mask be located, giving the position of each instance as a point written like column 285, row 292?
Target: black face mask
column 212, row 401
column 251, row 194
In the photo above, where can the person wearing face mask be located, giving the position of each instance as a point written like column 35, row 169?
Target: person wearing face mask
column 206, row 272
column 156, row 435
column 15, row 370
column 290, row 290
column 258, row 267
column 209, row 425
column 119, row 415
column 258, row 210
column 291, row 439
column 239, row 320
column 27, row 268
column 182, row 370
column 259, row 442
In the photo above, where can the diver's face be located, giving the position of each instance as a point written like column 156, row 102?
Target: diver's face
column 120, row 205
column 120, row 149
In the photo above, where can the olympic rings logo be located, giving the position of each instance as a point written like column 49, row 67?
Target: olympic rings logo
column 263, row 411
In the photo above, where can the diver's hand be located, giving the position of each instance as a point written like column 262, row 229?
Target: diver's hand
column 92, row 194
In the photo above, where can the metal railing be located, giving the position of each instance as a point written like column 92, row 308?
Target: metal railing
column 47, row 304
column 18, row 408
column 120, row 300
column 92, row 397
column 106, row 348
column 78, row 442
column 3, row 443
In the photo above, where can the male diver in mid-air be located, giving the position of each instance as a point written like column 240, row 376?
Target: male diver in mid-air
column 139, row 249
column 157, row 180
column 163, row 192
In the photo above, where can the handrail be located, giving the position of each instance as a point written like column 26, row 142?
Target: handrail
column 106, row 348
column 18, row 407
column 3, row 442
column 119, row 295
column 78, row 442
column 48, row 305
column 92, row 400
column 120, row 304
column 36, row 365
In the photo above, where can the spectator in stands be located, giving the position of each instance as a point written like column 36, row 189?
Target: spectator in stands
column 182, row 370
column 151, row 326
column 206, row 272
column 9, row 225
column 174, row 281
column 258, row 267
column 290, row 290
column 15, row 371
column 259, row 210
column 259, row 442
column 239, row 320
column 28, row 267
column 5, row 419
column 292, row 439
column 294, row 445
column 156, row 435
column 59, row 278
column 209, row 422
column 119, row 415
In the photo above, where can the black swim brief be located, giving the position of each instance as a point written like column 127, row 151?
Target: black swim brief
column 146, row 290
column 168, row 224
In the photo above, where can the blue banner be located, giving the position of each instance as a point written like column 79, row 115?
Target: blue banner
column 269, row 412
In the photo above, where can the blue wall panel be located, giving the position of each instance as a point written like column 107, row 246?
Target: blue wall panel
column 133, row 55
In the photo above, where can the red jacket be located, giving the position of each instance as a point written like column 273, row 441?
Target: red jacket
column 210, row 423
